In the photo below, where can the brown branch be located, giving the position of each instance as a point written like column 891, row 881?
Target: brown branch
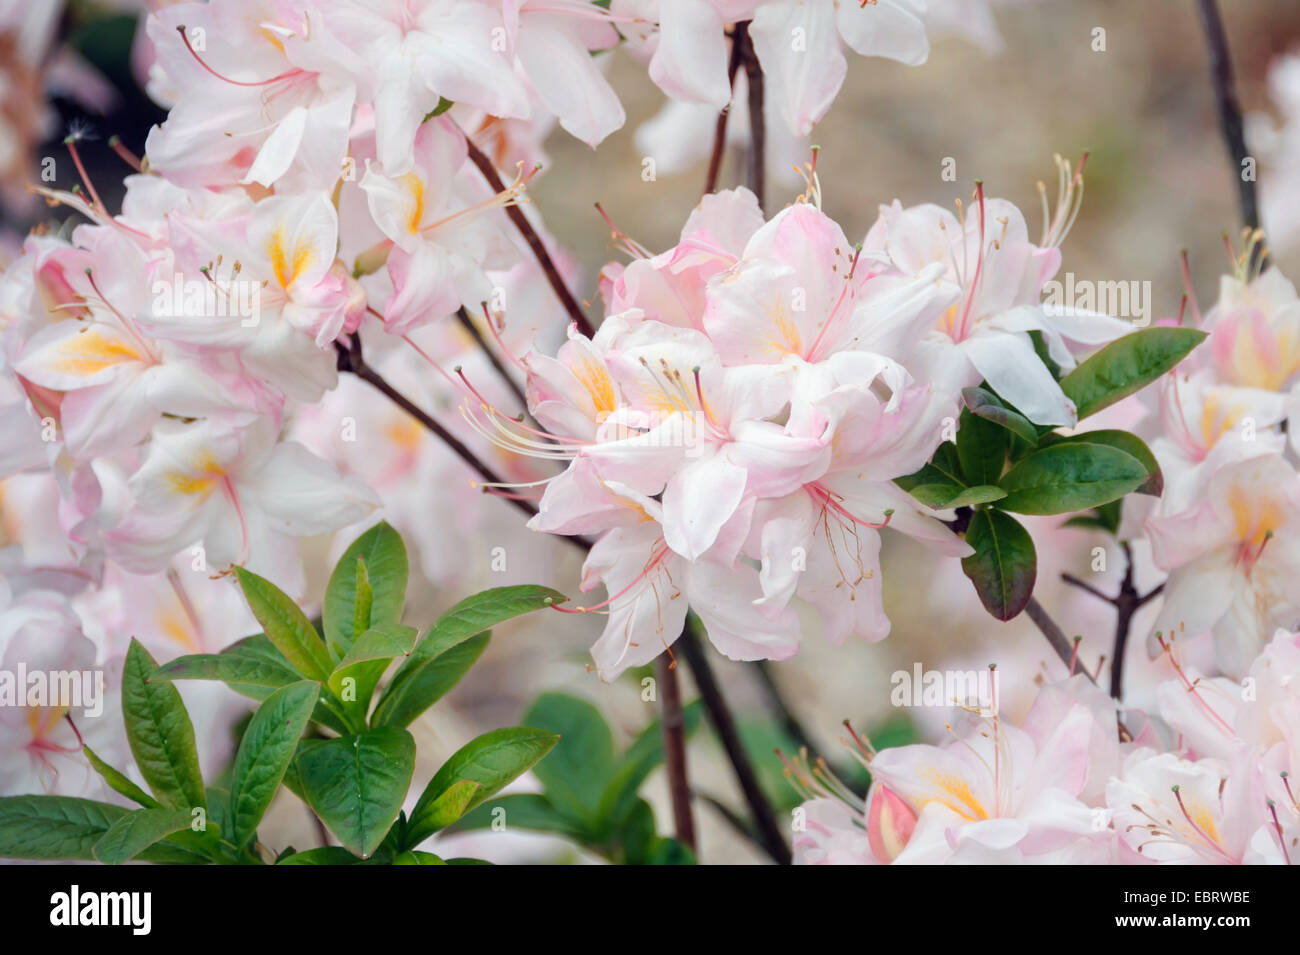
column 757, row 158
column 673, row 726
column 576, row 314
column 350, row 359
column 720, row 127
column 1225, row 94
column 467, row 323
column 1126, row 602
column 1065, row 649
column 768, row 833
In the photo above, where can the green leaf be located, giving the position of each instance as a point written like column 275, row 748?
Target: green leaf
column 264, row 753
column 582, row 764
column 325, row 855
column 384, row 556
column 985, row 404
column 481, row 612
column 532, row 811
column 418, row 858
column 942, row 471
column 242, row 662
column 970, row 496
column 356, row 784
column 1004, row 564
column 381, row 642
column 1127, row 365
column 491, row 760
column 54, row 827
column 1126, row 442
column 981, row 449
column 427, row 683
column 641, row 759
column 414, row 687
column 286, row 626
column 1070, row 476
column 160, row 733
column 119, row 782
column 443, row 811
column 131, row 834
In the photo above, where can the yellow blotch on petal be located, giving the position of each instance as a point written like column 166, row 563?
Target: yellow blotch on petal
column 956, row 796
column 1254, row 515
column 414, row 187
column 90, row 352
column 595, row 378
column 202, row 479
column 288, row 263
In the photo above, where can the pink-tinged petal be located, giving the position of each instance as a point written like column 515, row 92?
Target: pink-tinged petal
column 843, row 581
column 301, row 495
column 888, row 28
column 424, row 288
column 690, row 62
column 69, row 355
column 890, row 823
column 1008, row 362
column 454, row 55
column 724, row 599
column 786, row 532
column 698, row 501
column 568, row 79
column 799, row 47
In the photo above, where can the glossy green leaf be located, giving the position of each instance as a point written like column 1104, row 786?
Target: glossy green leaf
column 356, row 784
column 54, row 827
column 324, row 855
column 1126, row 442
column 286, row 626
column 491, row 760
column 441, row 812
column 386, row 569
column 581, row 765
column 424, row 678
column 264, row 753
column 118, row 781
column 981, row 449
column 1004, row 564
column 131, row 834
column 160, row 733
column 1127, row 365
column 532, row 811
column 984, row 404
column 427, row 683
column 1068, row 477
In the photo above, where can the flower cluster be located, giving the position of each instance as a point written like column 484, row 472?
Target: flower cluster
column 1206, row 780
column 735, row 426
column 1225, row 527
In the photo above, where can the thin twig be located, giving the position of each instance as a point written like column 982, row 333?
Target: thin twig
column 1126, row 602
column 350, row 359
column 757, row 159
column 1225, row 93
column 769, row 835
column 484, row 164
column 673, row 726
column 720, row 127
column 468, row 324
column 1065, row 649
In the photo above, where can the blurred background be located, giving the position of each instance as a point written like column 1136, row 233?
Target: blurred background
column 1158, row 179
